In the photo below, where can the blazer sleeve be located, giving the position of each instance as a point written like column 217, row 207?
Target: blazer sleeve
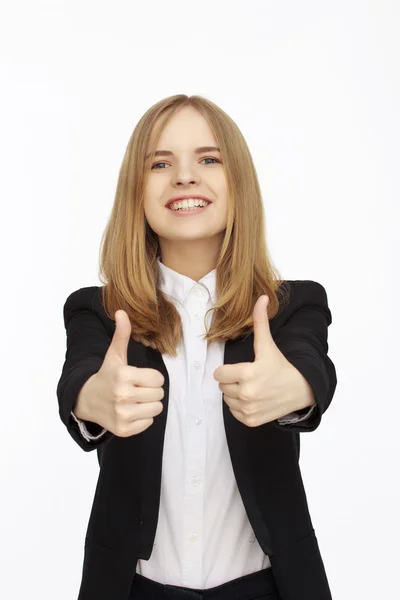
column 303, row 340
column 87, row 342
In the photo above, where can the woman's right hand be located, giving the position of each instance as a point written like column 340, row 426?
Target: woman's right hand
column 121, row 398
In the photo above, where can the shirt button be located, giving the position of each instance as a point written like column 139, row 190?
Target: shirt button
column 197, row 292
column 198, row 420
column 193, row 535
column 195, row 481
column 196, row 364
column 196, row 315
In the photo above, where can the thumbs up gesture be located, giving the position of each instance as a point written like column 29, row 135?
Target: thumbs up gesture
column 119, row 397
column 268, row 388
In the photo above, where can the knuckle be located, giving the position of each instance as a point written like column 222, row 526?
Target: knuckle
column 118, row 394
column 118, row 412
column 248, row 409
column 117, row 374
column 250, row 421
column 120, row 430
column 247, row 394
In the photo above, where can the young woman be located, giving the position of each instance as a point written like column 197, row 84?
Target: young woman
column 192, row 371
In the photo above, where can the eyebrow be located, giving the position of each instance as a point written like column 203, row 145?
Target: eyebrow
column 199, row 150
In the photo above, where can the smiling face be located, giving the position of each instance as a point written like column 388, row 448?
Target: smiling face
column 189, row 243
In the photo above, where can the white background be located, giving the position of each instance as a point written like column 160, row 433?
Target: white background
column 315, row 88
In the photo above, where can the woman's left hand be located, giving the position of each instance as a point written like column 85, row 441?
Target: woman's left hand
column 268, row 388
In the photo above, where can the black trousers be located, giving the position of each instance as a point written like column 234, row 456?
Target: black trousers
column 256, row 586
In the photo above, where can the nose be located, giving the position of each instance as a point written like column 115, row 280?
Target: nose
column 185, row 176
column 185, row 182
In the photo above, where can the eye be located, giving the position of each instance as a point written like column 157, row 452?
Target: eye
column 207, row 158
column 211, row 158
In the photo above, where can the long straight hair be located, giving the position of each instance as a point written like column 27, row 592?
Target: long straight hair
column 130, row 248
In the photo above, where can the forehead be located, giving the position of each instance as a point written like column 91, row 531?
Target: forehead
column 188, row 127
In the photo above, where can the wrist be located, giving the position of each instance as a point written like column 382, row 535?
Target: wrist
column 302, row 395
column 82, row 408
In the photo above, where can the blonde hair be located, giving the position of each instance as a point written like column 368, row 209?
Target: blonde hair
column 130, row 248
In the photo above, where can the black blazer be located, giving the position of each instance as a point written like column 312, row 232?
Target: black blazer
column 265, row 459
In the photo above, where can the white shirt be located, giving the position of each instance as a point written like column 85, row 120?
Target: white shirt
column 204, row 537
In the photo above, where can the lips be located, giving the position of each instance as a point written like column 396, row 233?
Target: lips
column 186, row 197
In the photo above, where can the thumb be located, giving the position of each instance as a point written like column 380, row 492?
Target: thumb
column 118, row 349
column 263, row 341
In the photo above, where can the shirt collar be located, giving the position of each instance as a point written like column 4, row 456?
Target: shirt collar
column 178, row 286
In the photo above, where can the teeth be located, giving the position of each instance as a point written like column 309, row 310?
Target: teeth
column 190, row 203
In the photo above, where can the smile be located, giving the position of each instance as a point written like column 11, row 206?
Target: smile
column 189, row 211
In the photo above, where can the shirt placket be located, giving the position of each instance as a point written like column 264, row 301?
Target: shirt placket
column 196, row 440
